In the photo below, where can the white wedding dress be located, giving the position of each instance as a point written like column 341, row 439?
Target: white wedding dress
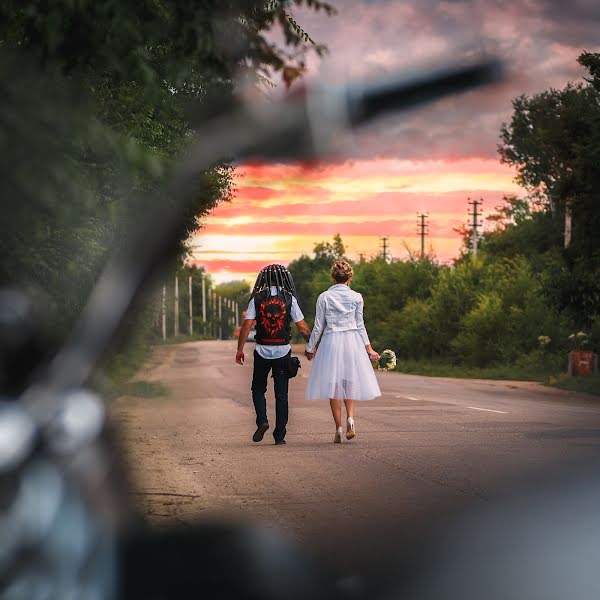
column 341, row 368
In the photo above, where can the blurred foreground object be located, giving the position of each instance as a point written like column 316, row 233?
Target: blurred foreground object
column 64, row 516
column 541, row 542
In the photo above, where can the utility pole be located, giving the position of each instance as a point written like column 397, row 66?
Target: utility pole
column 475, row 224
column 228, row 307
column 176, row 308
column 384, row 248
column 220, row 326
column 422, row 231
column 208, row 312
column 164, row 312
column 190, row 294
column 215, row 327
column 203, row 300
column 212, row 318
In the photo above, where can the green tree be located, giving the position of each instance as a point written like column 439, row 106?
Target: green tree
column 521, row 228
column 312, row 274
column 550, row 140
column 238, row 290
column 326, row 253
column 553, row 140
column 94, row 113
column 591, row 61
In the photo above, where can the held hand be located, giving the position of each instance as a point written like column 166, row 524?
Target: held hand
column 239, row 358
column 373, row 355
column 309, row 355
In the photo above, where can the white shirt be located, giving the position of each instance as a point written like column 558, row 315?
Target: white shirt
column 338, row 309
column 272, row 352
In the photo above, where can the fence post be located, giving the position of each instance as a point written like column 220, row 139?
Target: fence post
column 176, row 308
column 203, row 300
column 190, row 294
column 164, row 312
column 220, row 315
column 214, row 327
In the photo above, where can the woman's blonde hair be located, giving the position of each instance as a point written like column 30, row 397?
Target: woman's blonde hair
column 341, row 271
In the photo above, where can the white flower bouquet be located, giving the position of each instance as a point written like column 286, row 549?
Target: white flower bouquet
column 387, row 361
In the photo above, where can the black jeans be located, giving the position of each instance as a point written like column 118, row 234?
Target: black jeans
column 262, row 367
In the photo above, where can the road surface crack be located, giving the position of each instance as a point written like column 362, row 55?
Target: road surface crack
column 467, row 492
column 167, row 494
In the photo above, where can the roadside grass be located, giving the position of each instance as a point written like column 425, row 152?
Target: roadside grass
column 144, row 389
column 589, row 385
column 115, row 377
column 440, row 369
column 110, row 386
column 180, row 339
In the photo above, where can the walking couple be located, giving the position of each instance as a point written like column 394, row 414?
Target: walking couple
column 341, row 372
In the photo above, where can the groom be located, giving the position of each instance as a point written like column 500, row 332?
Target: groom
column 273, row 306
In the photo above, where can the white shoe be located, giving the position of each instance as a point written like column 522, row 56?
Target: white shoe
column 338, row 436
column 350, row 431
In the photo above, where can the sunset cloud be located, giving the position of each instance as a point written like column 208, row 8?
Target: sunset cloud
column 360, row 200
column 427, row 160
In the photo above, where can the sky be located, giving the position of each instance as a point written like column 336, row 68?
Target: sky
column 431, row 160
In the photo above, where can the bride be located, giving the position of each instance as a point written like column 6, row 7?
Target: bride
column 342, row 369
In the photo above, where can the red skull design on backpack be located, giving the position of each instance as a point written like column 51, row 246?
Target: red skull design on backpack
column 272, row 315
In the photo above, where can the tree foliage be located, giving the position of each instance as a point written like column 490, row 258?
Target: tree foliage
column 518, row 301
column 93, row 112
column 553, row 140
column 484, row 311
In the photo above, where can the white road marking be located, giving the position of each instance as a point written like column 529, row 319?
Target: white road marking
column 406, row 397
column 500, row 412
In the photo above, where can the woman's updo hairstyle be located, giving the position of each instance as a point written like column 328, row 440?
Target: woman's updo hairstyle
column 341, row 271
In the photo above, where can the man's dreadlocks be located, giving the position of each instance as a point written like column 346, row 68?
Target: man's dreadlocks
column 274, row 275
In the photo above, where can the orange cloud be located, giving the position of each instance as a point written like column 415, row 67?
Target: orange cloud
column 384, row 204
column 281, row 211
column 233, row 267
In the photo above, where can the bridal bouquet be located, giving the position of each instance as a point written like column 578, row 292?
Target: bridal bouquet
column 387, row 361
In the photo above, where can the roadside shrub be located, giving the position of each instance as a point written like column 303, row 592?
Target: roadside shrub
column 411, row 332
column 481, row 330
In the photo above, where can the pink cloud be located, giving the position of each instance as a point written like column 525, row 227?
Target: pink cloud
column 234, row 266
column 382, row 204
column 304, row 177
column 256, row 193
column 395, row 227
column 539, row 40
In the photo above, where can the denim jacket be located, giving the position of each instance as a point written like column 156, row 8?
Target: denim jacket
column 338, row 309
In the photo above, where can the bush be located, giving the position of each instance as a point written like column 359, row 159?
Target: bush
column 478, row 342
column 409, row 332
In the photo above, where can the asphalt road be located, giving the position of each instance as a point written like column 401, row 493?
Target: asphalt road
column 426, row 446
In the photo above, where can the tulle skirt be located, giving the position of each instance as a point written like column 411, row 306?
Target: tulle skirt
column 342, row 369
